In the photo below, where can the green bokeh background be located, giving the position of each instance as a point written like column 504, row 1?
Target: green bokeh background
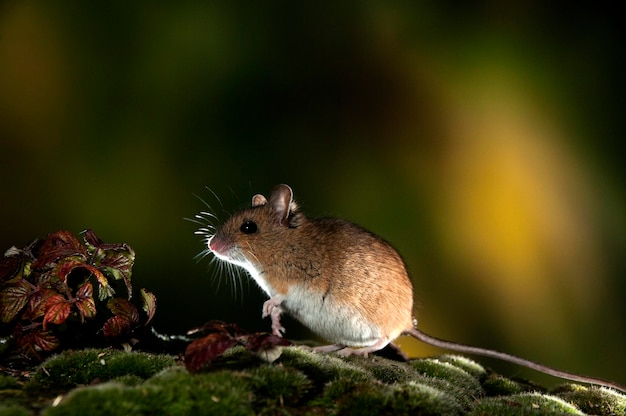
column 483, row 141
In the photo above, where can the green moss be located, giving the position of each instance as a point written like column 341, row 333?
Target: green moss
column 8, row 382
column 74, row 368
column 237, row 358
column 525, row 404
column 344, row 396
column 13, row 410
column 387, row 371
column 593, row 400
column 172, row 392
column 104, row 399
column 464, row 363
column 455, row 375
column 375, row 398
column 322, row 368
column 460, row 394
column 497, row 385
column 426, row 399
column 99, row 382
column 220, row 392
column 128, row 380
column 11, row 395
column 278, row 386
column 400, row 388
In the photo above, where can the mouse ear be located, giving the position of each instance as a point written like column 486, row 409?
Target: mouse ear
column 258, row 200
column 281, row 202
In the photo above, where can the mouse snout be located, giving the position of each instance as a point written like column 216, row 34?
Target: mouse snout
column 217, row 245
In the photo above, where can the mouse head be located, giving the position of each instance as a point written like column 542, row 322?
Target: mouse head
column 253, row 234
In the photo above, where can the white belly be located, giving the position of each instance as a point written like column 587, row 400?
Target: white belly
column 329, row 319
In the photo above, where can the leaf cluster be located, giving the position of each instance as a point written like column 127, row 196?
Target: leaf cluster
column 59, row 290
column 221, row 337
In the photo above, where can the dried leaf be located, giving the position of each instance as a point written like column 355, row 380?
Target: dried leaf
column 85, row 291
column 260, row 342
column 204, row 350
column 103, row 283
column 58, row 245
column 84, row 302
column 12, row 299
column 86, row 308
column 116, row 326
column 67, row 267
column 9, row 266
column 45, row 340
column 105, row 292
column 35, row 341
column 57, row 310
column 122, row 307
column 115, row 259
column 37, row 304
column 118, row 262
column 149, row 304
column 92, row 241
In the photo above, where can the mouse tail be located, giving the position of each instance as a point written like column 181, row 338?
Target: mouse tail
column 468, row 349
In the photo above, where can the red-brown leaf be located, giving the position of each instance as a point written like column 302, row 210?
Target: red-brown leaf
column 84, row 301
column 114, row 259
column 45, row 340
column 58, row 245
column 149, row 304
column 118, row 263
column 12, row 299
column 122, row 307
column 204, row 350
column 57, row 310
column 85, row 291
column 9, row 267
column 263, row 341
column 116, row 327
column 67, row 267
column 37, row 304
column 91, row 239
column 35, row 341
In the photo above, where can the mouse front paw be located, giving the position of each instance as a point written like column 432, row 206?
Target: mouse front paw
column 272, row 308
column 277, row 328
column 271, row 305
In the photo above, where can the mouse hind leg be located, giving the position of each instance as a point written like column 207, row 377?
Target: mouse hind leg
column 329, row 348
column 345, row 351
column 378, row 345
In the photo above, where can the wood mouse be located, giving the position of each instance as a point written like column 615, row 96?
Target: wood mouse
column 344, row 283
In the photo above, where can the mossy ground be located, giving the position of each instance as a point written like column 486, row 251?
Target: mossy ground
column 105, row 382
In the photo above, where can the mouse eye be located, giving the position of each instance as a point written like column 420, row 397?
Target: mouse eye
column 248, row 227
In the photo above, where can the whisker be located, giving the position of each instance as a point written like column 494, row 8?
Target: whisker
column 196, row 221
column 251, row 253
column 203, row 214
column 216, row 197
column 204, row 202
column 201, row 255
column 207, row 221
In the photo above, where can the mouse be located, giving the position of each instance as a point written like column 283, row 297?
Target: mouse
column 344, row 283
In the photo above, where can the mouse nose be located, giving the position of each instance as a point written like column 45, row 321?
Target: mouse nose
column 216, row 245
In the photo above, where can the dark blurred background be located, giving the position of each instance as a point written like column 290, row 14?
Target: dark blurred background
column 483, row 141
